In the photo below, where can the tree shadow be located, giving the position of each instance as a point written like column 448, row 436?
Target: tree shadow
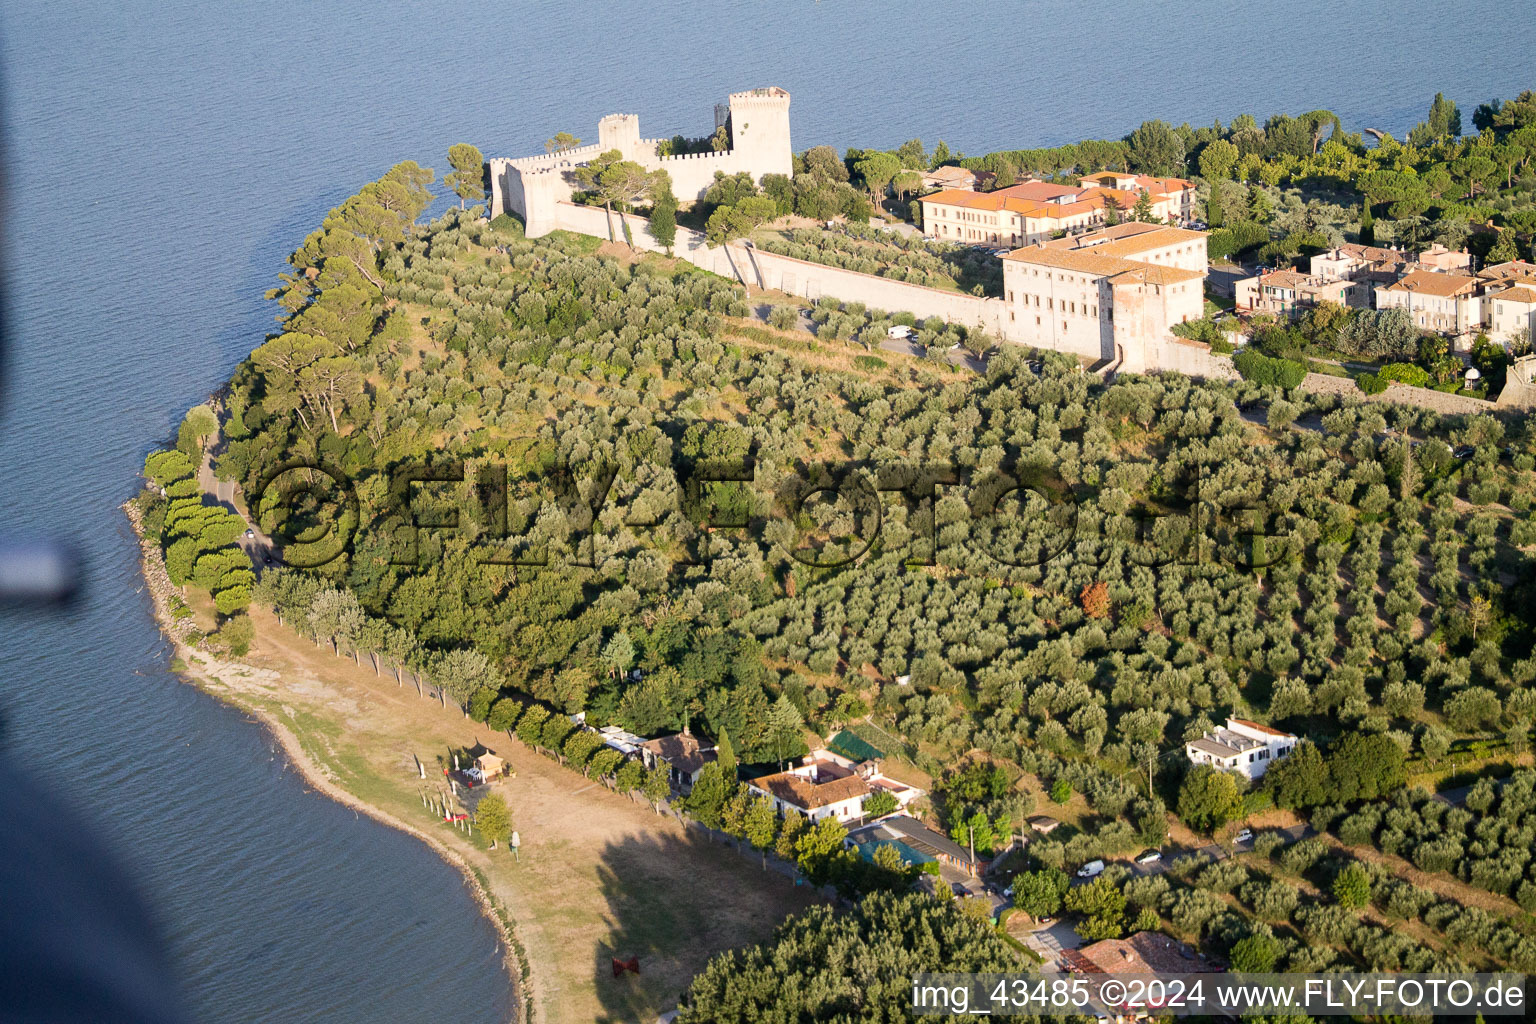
column 672, row 903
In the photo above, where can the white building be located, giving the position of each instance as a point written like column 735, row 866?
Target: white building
column 829, row 785
column 1243, row 746
column 1096, row 293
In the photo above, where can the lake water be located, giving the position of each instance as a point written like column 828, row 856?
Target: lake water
column 165, row 158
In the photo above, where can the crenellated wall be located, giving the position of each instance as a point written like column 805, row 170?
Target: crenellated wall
column 760, row 144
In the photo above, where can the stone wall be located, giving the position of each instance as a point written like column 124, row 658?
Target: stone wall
column 811, row 281
column 1400, row 394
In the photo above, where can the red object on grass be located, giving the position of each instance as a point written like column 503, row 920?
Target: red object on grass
column 620, row 966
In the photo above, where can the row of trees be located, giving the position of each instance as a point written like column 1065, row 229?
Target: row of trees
column 196, row 539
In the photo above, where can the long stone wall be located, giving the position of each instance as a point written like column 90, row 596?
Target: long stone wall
column 759, row 269
column 1399, row 394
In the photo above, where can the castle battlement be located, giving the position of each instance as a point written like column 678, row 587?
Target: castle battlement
column 760, row 144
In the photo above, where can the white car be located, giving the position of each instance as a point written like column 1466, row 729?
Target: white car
column 1245, row 836
column 1150, row 857
column 250, row 533
column 1091, row 869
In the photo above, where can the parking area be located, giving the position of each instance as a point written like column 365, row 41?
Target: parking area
column 1051, row 942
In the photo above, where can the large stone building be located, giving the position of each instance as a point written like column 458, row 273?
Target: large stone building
column 757, row 123
column 1107, row 293
column 1037, row 210
column 1439, row 302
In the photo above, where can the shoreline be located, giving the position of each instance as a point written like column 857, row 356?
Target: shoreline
column 200, row 669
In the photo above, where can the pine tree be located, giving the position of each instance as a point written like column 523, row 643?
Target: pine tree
column 1143, row 208
column 1503, row 250
column 1258, row 206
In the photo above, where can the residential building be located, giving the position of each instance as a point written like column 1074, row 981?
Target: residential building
column 1513, row 272
column 1243, row 746
column 1141, row 953
column 1034, row 211
column 914, row 841
column 1044, row 824
column 1288, row 293
column 950, row 177
column 815, row 791
column 682, row 753
column 1510, row 310
column 1176, row 196
column 827, row 784
column 1447, row 261
column 1097, row 296
column 1439, row 302
column 1354, row 262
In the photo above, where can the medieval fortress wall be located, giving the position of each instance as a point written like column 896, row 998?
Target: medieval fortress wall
column 530, row 187
column 539, row 189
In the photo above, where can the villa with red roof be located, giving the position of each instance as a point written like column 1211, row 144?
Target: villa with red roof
column 1034, row 211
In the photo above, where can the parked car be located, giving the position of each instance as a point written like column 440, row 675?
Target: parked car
column 1091, row 869
column 1245, row 836
column 1150, row 857
column 250, row 533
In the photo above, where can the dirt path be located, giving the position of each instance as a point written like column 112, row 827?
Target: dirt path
column 599, row 876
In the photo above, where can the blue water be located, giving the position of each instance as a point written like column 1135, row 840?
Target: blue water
column 165, row 157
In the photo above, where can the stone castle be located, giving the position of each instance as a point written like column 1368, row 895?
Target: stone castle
column 757, row 122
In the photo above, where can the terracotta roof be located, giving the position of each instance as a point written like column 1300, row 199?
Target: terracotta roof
column 1109, row 234
column 966, row 198
column 1142, row 953
column 1519, row 294
column 1157, row 238
column 1262, row 728
column 1284, row 279
column 1372, row 254
column 1087, row 261
column 681, row 750
column 950, row 173
column 1428, row 282
column 1514, row 268
column 801, row 792
column 1035, row 199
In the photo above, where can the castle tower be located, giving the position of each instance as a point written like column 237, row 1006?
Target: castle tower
column 620, row 132
column 760, row 131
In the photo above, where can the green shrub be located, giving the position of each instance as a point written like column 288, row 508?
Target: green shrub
column 1371, row 384
column 1262, row 369
column 1406, row 373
